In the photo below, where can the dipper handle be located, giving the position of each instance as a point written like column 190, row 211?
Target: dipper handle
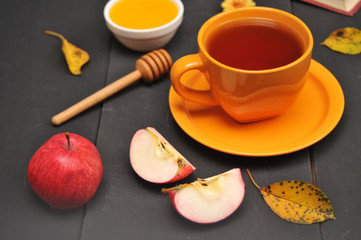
column 95, row 98
column 149, row 67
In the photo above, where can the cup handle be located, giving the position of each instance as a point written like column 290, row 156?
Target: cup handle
column 183, row 65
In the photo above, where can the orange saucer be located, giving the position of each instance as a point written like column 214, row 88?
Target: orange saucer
column 315, row 114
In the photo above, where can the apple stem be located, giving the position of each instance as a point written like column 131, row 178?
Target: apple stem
column 250, row 176
column 67, row 135
column 178, row 187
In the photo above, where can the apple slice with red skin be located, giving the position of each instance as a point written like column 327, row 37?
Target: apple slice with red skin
column 65, row 171
column 209, row 200
column 155, row 160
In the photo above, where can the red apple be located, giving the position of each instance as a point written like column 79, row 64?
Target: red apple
column 66, row 171
column 154, row 159
column 209, row 200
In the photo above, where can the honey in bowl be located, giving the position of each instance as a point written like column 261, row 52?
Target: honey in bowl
column 143, row 14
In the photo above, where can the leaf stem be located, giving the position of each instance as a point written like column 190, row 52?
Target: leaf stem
column 250, row 176
column 54, row 34
column 313, row 173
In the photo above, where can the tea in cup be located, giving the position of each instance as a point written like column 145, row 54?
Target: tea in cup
column 255, row 60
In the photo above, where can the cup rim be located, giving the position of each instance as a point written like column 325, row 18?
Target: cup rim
column 304, row 55
column 177, row 19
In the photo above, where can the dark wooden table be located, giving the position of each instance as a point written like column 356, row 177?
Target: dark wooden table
column 35, row 85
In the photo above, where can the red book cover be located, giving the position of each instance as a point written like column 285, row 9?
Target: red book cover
column 349, row 13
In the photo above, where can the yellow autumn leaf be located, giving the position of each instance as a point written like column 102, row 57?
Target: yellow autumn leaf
column 345, row 40
column 74, row 56
column 297, row 201
column 229, row 5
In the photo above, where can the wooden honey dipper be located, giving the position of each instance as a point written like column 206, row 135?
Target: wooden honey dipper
column 149, row 68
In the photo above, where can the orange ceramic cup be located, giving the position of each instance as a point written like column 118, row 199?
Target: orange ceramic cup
column 247, row 95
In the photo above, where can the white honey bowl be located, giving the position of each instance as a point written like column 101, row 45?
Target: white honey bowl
column 144, row 39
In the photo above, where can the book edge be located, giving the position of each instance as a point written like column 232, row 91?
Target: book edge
column 348, row 13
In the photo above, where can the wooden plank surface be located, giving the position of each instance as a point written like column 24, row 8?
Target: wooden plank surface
column 337, row 157
column 36, row 85
column 130, row 208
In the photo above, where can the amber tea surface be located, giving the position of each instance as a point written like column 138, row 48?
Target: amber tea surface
column 254, row 45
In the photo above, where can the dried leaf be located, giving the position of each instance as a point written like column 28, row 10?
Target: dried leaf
column 75, row 57
column 229, row 5
column 297, row 201
column 346, row 40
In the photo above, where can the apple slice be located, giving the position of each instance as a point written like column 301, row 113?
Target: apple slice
column 209, row 200
column 154, row 159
